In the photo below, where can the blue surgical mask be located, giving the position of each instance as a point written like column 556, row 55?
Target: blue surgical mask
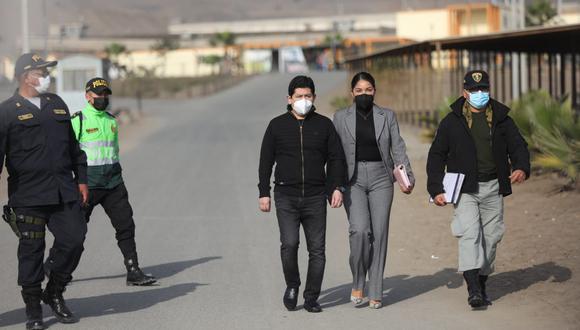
column 478, row 99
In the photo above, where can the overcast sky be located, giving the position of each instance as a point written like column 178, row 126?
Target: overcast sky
column 151, row 17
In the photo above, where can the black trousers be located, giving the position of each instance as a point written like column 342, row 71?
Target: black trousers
column 115, row 202
column 69, row 229
column 311, row 213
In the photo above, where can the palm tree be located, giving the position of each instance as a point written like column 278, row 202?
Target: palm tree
column 552, row 132
column 226, row 39
column 539, row 12
column 114, row 50
column 211, row 60
column 223, row 38
column 162, row 46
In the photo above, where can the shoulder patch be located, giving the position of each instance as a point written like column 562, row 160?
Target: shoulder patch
column 59, row 111
column 26, row 116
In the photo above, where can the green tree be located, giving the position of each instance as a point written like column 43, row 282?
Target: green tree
column 333, row 39
column 165, row 44
column 223, row 38
column 226, row 40
column 432, row 122
column 340, row 102
column 162, row 46
column 211, row 60
column 552, row 132
column 114, row 49
column 539, row 12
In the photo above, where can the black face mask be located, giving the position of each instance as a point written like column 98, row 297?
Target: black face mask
column 101, row 103
column 364, row 101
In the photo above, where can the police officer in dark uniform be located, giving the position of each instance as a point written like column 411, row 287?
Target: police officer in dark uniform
column 47, row 182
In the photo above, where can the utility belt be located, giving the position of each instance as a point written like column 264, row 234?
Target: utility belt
column 13, row 220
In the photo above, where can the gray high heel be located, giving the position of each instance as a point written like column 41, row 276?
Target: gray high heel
column 356, row 300
column 375, row 304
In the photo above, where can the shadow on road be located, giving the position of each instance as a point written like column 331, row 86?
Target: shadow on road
column 402, row 287
column 159, row 271
column 505, row 283
column 397, row 288
column 114, row 303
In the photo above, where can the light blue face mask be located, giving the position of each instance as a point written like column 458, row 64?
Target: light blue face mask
column 478, row 99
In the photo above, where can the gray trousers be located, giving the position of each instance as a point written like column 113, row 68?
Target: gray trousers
column 368, row 201
column 478, row 223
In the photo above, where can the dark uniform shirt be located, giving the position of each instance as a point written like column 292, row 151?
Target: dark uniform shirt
column 481, row 133
column 41, row 152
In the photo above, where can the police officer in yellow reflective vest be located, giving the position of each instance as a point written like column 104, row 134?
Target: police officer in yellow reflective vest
column 96, row 131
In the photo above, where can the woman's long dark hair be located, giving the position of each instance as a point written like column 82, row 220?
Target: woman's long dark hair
column 362, row 76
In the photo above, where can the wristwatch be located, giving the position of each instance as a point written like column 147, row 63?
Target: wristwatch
column 341, row 189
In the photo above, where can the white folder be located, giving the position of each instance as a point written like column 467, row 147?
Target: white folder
column 452, row 183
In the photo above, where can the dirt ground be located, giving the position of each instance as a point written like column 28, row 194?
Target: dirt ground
column 538, row 260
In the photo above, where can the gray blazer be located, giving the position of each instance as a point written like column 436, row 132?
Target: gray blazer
column 391, row 145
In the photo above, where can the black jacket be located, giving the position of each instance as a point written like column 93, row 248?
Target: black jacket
column 301, row 149
column 41, row 152
column 453, row 149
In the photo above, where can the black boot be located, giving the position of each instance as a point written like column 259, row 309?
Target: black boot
column 31, row 297
column 312, row 306
column 135, row 275
column 475, row 299
column 290, row 298
column 482, row 280
column 52, row 296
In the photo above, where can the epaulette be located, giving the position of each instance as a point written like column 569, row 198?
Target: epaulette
column 77, row 114
column 50, row 97
column 110, row 114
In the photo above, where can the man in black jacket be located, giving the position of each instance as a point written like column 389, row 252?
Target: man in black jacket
column 42, row 154
column 301, row 142
column 480, row 140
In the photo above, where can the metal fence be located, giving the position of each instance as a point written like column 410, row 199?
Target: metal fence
column 416, row 79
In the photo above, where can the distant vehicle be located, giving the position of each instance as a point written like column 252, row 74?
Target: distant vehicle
column 292, row 60
column 73, row 72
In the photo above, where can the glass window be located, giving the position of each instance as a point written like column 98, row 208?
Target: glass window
column 75, row 80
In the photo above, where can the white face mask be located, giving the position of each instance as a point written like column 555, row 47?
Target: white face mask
column 302, row 106
column 43, row 84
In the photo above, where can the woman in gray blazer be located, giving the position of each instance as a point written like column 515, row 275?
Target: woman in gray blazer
column 373, row 147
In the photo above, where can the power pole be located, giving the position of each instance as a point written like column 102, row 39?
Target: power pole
column 25, row 33
column 522, row 15
column 45, row 26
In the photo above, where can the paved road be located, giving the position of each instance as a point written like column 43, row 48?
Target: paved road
column 192, row 174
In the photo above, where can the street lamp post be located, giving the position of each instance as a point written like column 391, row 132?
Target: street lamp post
column 25, row 33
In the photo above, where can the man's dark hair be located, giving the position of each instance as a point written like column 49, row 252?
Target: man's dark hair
column 300, row 82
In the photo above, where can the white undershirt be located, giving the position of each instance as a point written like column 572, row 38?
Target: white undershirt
column 35, row 101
